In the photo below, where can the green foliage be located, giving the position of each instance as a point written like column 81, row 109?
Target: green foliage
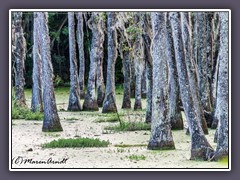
column 129, row 126
column 137, row 157
column 24, row 113
column 79, row 142
column 134, row 32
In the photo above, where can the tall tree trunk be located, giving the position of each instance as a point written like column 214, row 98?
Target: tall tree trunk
column 37, row 104
column 109, row 103
column 161, row 135
column 132, row 78
column 202, row 62
column 144, row 79
column 126, row 104
column 149, row 85
column 80, row 41
column 138, row 83
column 100, row 80
column 90, row 102
column 74, row 95
column 20, row 56
column 191, row 69
column 222, row 94
column 174, row 92
column 200, row 148
column 51, row 120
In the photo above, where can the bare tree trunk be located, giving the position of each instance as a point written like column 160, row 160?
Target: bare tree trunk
column 80, row 41
column 132, row 78
column 144, row 79
column 90, row 102
column 204, row 84
column 222, row 94
column 161, row 135
column 20, row 56
column 109, row 103
column 100, row 80
column 51, row 120
column 74, row 95
column 149, row 85
column 138, row 83
column 200, row 148
column 174, row 92
column 126, row 104
column 191, row 69
column 37, row 104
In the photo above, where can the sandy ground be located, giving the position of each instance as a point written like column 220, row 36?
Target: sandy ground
column 28, row 134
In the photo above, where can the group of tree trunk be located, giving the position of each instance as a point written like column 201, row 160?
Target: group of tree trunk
column 178, row 60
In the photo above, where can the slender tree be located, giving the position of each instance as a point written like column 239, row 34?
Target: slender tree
column 109, row 103
column 74, row 95
column 191, row 69
column 161, row 135
column 203, row 65
column 37, row 104
column 200, row 148
column 80, row 37
column 126, row 104
column 174, row 92
column 100, row 80
column 90, row 101
column 51, row 120
column 222, row 90
column 20, row 56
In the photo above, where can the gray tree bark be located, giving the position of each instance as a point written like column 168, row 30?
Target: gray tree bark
column 90, row 102
column 222, row 90
column 132, row 78
column 149, row 85
column 126, row 104
column 200, row 148
column 174, row 92
column 203, row 68
column 74, row 95
column 20, row 56
column 80, row 41
column 191, row 69
column 161, row 135
column 109, row 103
column 51, row 120
column 100, row 80
column 37, row 102
column 144, row 80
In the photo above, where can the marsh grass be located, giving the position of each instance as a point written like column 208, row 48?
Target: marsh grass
column 78, row 142
column 137, row 157
column 129, row 126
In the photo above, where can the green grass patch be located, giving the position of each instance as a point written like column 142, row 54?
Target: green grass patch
column 224, row 160
column 108, row 119
column 137, row 157
column 129, row 126
column 130, row 145
column 78, row 142
column 51, row 134
column 24, row 113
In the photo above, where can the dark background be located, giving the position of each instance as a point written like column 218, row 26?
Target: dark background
column 122, row 4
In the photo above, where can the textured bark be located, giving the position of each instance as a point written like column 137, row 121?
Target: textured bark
column 174, row 92
column 109, row 103
column 126, row 104
column 132, row 78
column 138, row 52
column 90, row 102
column 51, row 120
column 203, row 62
column 80, row 37
column 191, row 70
column 149, row 85
column 100, row 80
column 222, row 91
column 138, row 84
column 37, row 102
column 20, row 56
column 161, row 135
column 144, row 79
column 200, row 148
column 74, row 95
